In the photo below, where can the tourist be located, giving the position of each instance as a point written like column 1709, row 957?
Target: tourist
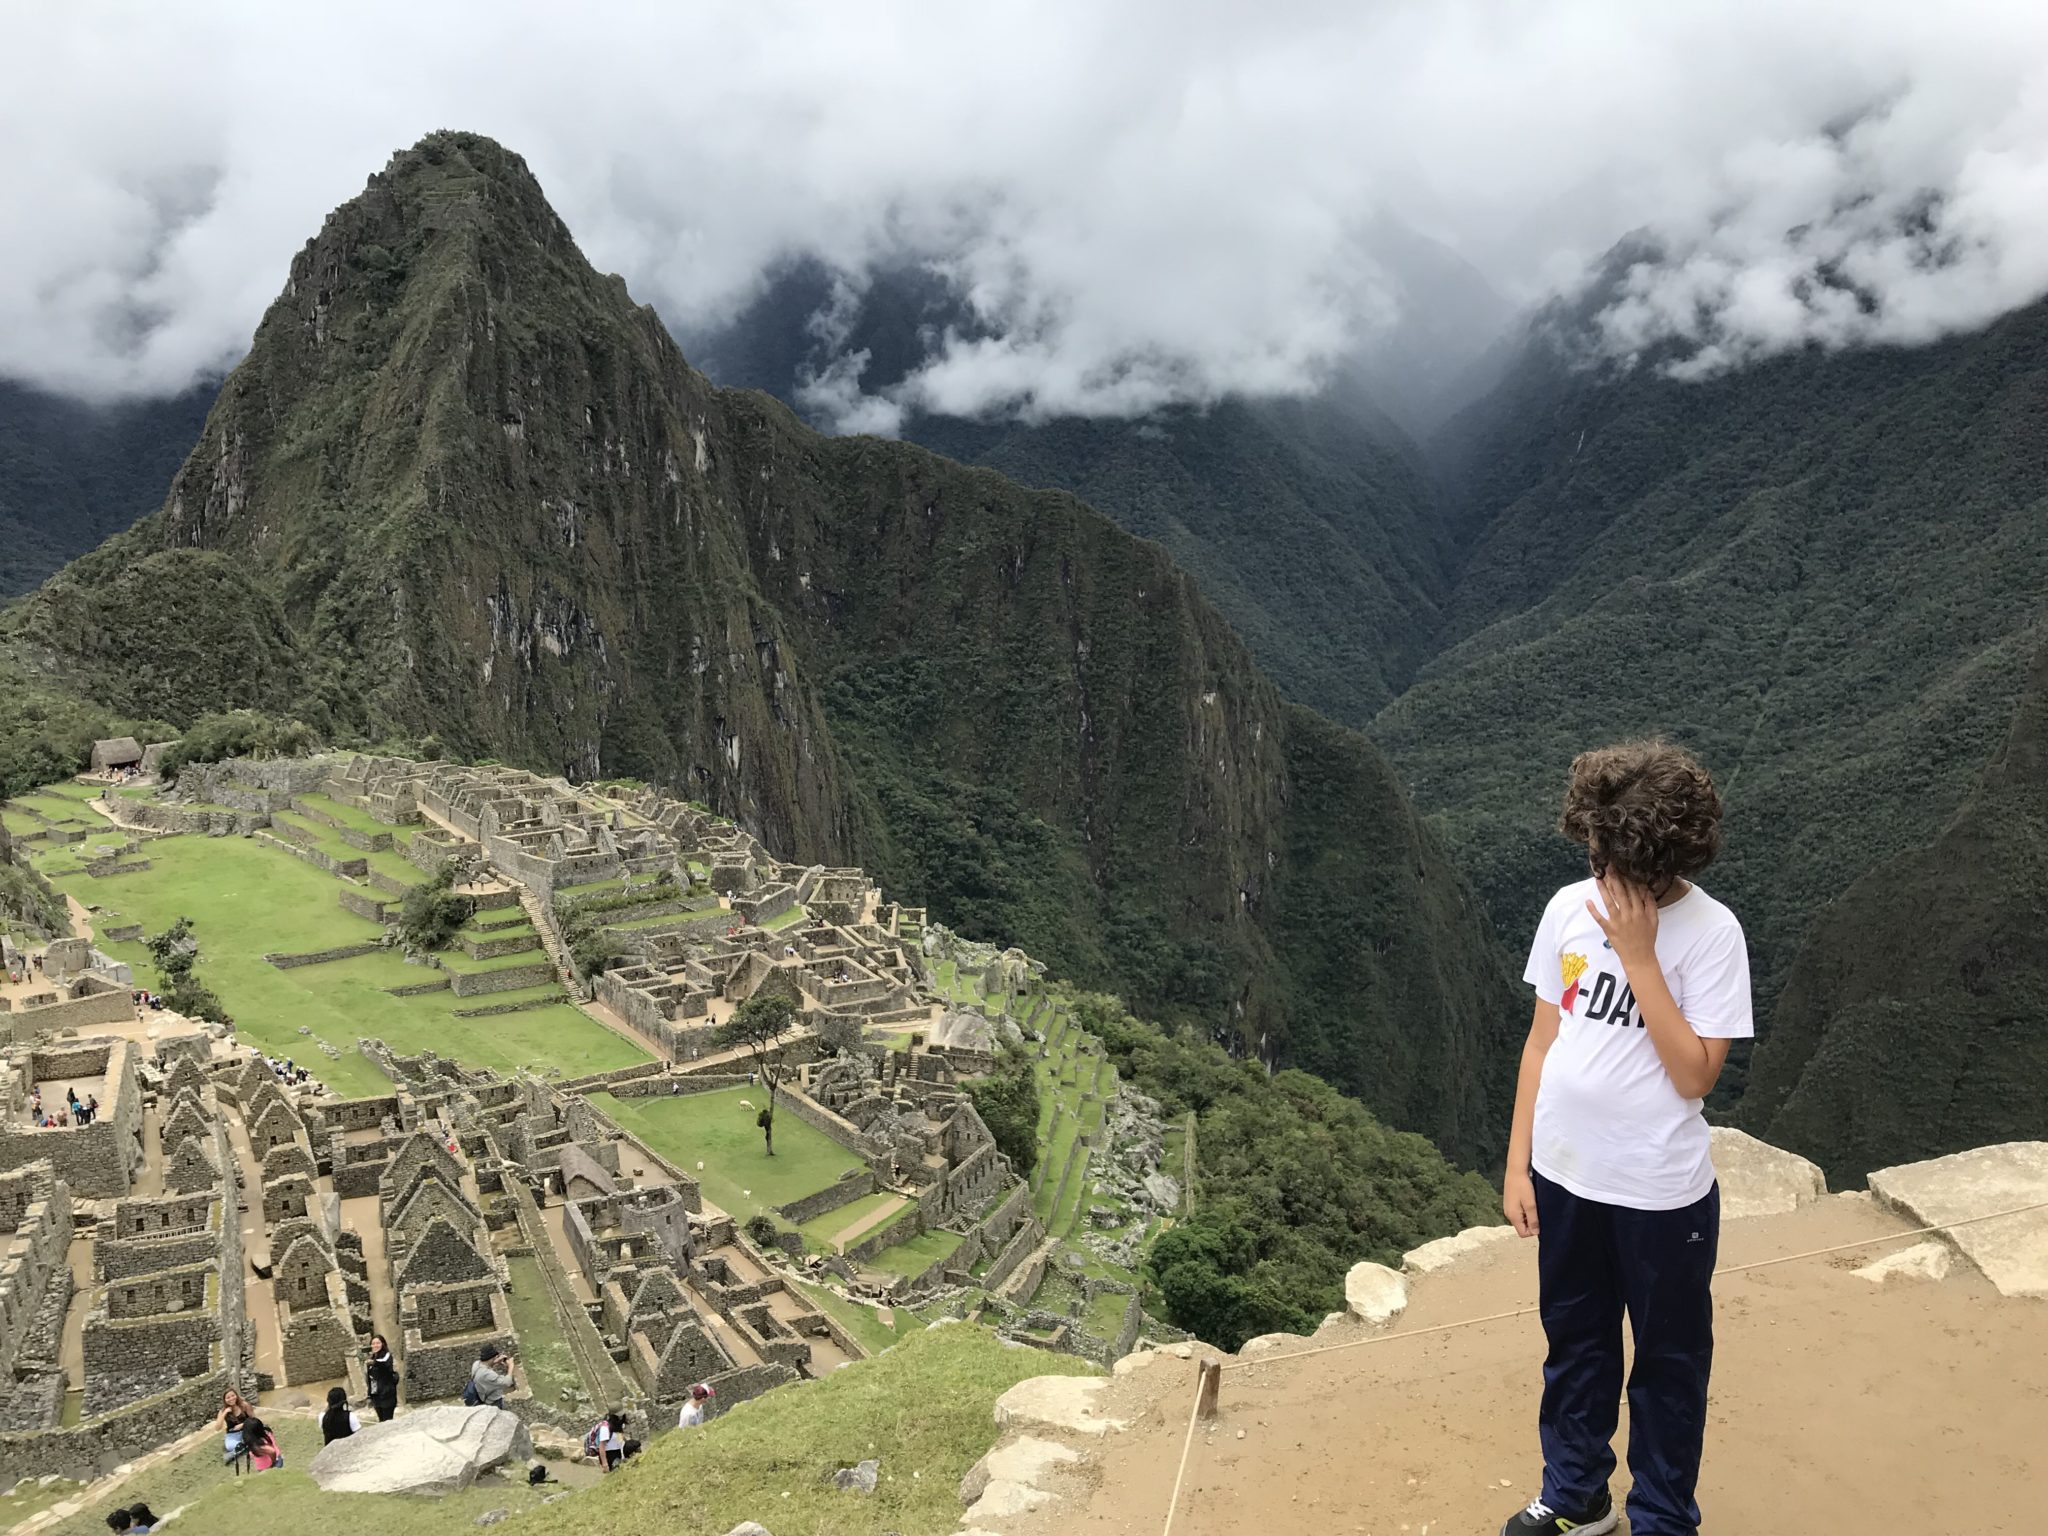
column 142, row 1519
column 607, row 1438
column 259, row 1442
column 92, row 1108
column 121, row 1520
column 698, row 1405
column 381, row 1371
column 1610, row 1166
column 339, row 1421
column 491, row 1377
column 233, row 1416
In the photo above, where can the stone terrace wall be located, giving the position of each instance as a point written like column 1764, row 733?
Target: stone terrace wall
column 114, row 1006
column 831, row 1198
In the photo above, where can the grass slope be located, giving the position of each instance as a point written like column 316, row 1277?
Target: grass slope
column 923, row 1408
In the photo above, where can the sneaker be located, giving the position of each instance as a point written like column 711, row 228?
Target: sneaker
column 1539, row 1519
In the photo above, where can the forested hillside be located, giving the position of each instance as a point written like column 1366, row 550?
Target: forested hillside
column 72, row 473
column 1825, row 572
column 1311, row 523
column 463, row 487
column 1914, row 1022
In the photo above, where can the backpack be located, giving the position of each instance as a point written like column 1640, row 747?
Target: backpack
column 536, row 1475
column 590, row 1439
column 471, row 1398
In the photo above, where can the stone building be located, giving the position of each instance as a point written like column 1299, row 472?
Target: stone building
column 97, row 1159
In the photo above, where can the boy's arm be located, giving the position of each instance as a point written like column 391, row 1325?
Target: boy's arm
column 1518, row 1190
column 1692, row 1063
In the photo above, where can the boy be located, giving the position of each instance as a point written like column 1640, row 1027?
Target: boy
column 1642, row 980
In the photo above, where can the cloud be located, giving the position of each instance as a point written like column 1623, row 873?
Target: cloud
column 1152, row 201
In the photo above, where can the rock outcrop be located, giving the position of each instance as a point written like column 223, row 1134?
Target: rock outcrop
column 2012, row 1251
column 428, row 1451
column 1758, row 1179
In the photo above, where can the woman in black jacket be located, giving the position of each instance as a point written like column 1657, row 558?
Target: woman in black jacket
column 338, row 1422
column 381, row 1371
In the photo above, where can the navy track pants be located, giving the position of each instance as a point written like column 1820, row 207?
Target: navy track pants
column 1593, row 1261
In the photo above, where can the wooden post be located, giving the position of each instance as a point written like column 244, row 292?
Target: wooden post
column 1210, row 1384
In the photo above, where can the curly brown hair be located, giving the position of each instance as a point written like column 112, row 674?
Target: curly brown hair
column 1646, row 809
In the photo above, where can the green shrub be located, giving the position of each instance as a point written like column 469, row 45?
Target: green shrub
column 431, row 913
column 1008, row 1101
column 238, row 733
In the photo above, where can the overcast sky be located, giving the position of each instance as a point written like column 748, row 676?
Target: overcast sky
column 1145, row 199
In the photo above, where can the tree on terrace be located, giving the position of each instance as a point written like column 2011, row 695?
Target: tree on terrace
column 759, row 1024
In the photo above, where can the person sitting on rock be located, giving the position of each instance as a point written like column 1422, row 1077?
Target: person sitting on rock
column 339, row 1421
column 141, row 1519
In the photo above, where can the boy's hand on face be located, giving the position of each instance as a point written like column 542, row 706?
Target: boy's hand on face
column 1630, row 922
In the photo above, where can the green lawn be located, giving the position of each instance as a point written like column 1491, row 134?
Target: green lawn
column 788, row 918
column 245, row 898
column 718, row 1130
column 548, row 1366
column 917, row 1255
column 923, row 1407
column 863, row 1322
column 347, row 815
column 819, row 1230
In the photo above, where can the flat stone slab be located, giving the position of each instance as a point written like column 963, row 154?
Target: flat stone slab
column 1029, row 1460
column 428, row 1451
column 1758, row 1179
column 1072, row 1404
column 2012, row 1251
column 1375, row 1294
column 1446, row 1251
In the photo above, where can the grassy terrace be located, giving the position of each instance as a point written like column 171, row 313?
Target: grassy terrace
column 718, row 1130
column 820, row 1230
column 548, row 1366
column 917, row 1255
column 246, row 898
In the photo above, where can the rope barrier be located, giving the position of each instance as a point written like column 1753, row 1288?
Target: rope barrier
column 1187, row 1446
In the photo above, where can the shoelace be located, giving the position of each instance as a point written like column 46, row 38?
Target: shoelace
column 1538, row 1510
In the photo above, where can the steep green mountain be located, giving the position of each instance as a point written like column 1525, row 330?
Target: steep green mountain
column 1828, row 573
column 463, row 486
column 72, row 473
column 1310, row 523
column 1914, row 1022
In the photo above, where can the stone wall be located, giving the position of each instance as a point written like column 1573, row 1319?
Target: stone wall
column 96, row 1159
column 361, row 903
column 112, row 1006
column 505, row 979
column 97, row 1445
column 39, row 1215
column 322, row 956
column 844, row 1192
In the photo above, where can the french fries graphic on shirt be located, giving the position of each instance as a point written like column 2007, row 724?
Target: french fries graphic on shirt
column 1572, row 966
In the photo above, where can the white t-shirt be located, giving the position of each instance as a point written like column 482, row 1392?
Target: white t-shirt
column 693, row 1413
column 1610, row 1124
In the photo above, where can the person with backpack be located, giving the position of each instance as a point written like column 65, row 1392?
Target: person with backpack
column 380, row 1370
column 489, row 1379
column 339, row 1421
column 232, row 1421
column 608, row 1443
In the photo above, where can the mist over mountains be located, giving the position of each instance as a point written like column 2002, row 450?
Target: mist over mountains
column 1488, row 387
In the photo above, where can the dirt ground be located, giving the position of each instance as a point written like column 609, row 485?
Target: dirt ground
column 1837, row 1406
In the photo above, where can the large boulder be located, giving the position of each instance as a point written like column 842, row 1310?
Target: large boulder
column 1375, row 1294
column 1758, row 1179
column 2011, row 1251
column 428, row 1451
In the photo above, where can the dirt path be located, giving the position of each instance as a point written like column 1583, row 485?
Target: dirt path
column 260, row 1299
column 71, row 1348
column 1837, row 1406
column 359, row 1215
